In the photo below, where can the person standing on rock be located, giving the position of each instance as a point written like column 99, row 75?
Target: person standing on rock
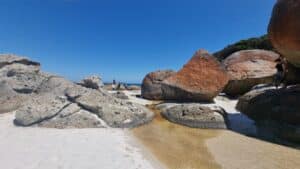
column 282, row 71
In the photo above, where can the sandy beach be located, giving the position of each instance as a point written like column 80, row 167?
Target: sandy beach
column 180, row 147
column 159, row 144
column 36, row 148
column 235, row 151
column 150, row 85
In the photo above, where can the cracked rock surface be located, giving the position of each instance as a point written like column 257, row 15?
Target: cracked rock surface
column 45, row 100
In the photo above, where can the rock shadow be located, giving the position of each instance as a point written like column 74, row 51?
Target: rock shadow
column 266, row 131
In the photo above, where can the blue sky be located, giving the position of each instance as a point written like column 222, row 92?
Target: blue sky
column 124, row 39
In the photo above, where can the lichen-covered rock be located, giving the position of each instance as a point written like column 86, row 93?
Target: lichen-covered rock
column 47, row 100
column 55, row 85
column 26, row 83
column 201, row 79
column 9, row 59
column 21, row 74
column 40, row 108
column 248, row 68
column 120, row 95
column 115, row 112
column 195, row 115
column 9, row 99
column 78, row 119
column 13, row 69
column 93, row 82
column 151, row 86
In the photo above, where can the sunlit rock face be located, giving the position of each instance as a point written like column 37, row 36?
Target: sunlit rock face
column 46, row 100
column 284, row 29
column 201, row 79
column 248, row 68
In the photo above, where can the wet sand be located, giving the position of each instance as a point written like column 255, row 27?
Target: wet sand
column 235, row 151
column 177, row 147
column 180, row 147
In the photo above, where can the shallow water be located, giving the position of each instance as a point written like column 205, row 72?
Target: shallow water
column 176, row 146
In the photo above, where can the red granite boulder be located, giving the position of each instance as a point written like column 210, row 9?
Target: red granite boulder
column 201, row 79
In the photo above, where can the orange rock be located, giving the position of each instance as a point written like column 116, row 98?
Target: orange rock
column 201, row 79
column 284, row 29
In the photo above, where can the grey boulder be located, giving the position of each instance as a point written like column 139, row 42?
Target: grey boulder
column 78, row 119
column 46, row 100
column 195, row 115
column 115, row 112
column 120, row 95
column 93, row 82
column 9, row 59
column 40, row 108
column 9, row 99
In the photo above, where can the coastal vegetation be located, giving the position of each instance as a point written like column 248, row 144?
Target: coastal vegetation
column 262, row 42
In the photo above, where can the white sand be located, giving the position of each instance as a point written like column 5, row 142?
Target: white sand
column 40, row 148
column 132, row 95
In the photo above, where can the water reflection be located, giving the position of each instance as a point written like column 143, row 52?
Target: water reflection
column 178, row 147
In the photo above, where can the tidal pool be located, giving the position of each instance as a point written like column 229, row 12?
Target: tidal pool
column 176, row 146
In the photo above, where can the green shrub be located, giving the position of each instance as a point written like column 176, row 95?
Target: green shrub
column 262, row 42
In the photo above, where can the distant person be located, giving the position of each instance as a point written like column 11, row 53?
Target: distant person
column 119, row 86
column 280, row 76
column 114, row 84
column 126, row 86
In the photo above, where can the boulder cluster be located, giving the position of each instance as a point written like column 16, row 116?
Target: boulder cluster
column 46, row 100
column 247, row 74
column 279, row 109
column 204, row 77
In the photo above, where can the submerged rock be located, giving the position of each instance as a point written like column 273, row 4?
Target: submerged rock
column 151, row 86
column 284, row 29
column 195, row 115
column 201, row 79
column 248, row 68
